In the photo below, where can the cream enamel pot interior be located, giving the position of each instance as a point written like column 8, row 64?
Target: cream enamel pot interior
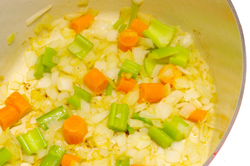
column 213, row 24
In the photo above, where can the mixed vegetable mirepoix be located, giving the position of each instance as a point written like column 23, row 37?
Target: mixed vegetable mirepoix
column 135, row 96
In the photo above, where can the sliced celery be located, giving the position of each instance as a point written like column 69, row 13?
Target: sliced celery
column 130, row 130
column 160, row 33
column 181, row 58
column 160, row 137
column 79, row 94
column 118, row 23
column 54, row 157
column 48, row 56
column 57, row 113
column 39, row 68
column 130, row 67
column 134, row 13
column 145, row 120
column 172, row 131
column 181, row 125
column 32, row 141
column 122, row 27
column 118, row 117
column 5, row 155
column 80, row 46
column 122, row 161
column 164, row 52
column 109, row 90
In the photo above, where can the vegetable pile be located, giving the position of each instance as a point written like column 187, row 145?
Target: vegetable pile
column 134, row 92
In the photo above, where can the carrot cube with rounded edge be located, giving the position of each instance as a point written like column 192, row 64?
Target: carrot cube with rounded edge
column 168, row 73
column 125, row 85
column 197, row 115
column 138, row 26
column 151, row 92
column 8, row 116
column 82, row 23
column 74, row 129
column 19, row 102
column 96, row 81
column 69, row 160
column 127, row 39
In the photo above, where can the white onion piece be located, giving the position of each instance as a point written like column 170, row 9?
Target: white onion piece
column 65, row 84
column 54, row 78
column 178, row 146
column 30, row 75
column 139, row 54
column 181, row 83
column 174, row 97
column 134, row 123
column 52, row 93
column 85, row 106
column 112, row 73
column 37, row 15
column 121, row 139
column 82, row 2
column 19, row 78
column 187, row 110
column 100, row 65
column 43, row 83
column 30, row 58
column 163, row 111
column 172, row 156
column 99, row 117
column 14, row 86
column 54, row 124
column 112, row 35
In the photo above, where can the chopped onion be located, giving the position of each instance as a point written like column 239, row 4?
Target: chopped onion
column 43, row 83
column 139, row 54
column 156, row 70
column 14, row 86
column 99, row 116
column 163, row 111
column 65, row 84
column 54, row 124
column 187, row 110
column 19, row 78
column 172, row 156
column 30, row 58
column 37, row 15
column 112, row 35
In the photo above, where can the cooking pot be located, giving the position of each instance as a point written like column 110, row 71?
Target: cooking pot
column 213, row 25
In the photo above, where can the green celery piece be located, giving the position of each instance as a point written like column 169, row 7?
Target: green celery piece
column 39, row 68
column 158, row 30
column 57, row 113
column 118, row 23
column 172, row 131
column 112, row 114
column 47, row 69
column 32, row 141
column 75, row 101
column 122, row 161
column 164, row 52
column 130, row 130
column 149, row 64
column 145, row 120
column 48, row 56
column 181, row 58
column 84, row 95
column 121, row 123
column 54, row 157
column 134, row 12
column 160, row 137
column 109, row 90
column 181, row 125
column 118, row 123
column 122, row 27
column 79, row 94
column 130, row 67
column 80, row 46
column 5, row 155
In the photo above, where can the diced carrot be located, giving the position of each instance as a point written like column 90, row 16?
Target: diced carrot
column 151, row 92
column 125, row 85
column 74, row 129
column 96, row 81
column 82, row 23
column 168, row 73
column 68, row 160
column 19, row 102
column 197, row 115
column 8, row 116
column 127, row 39
column 138, row 26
